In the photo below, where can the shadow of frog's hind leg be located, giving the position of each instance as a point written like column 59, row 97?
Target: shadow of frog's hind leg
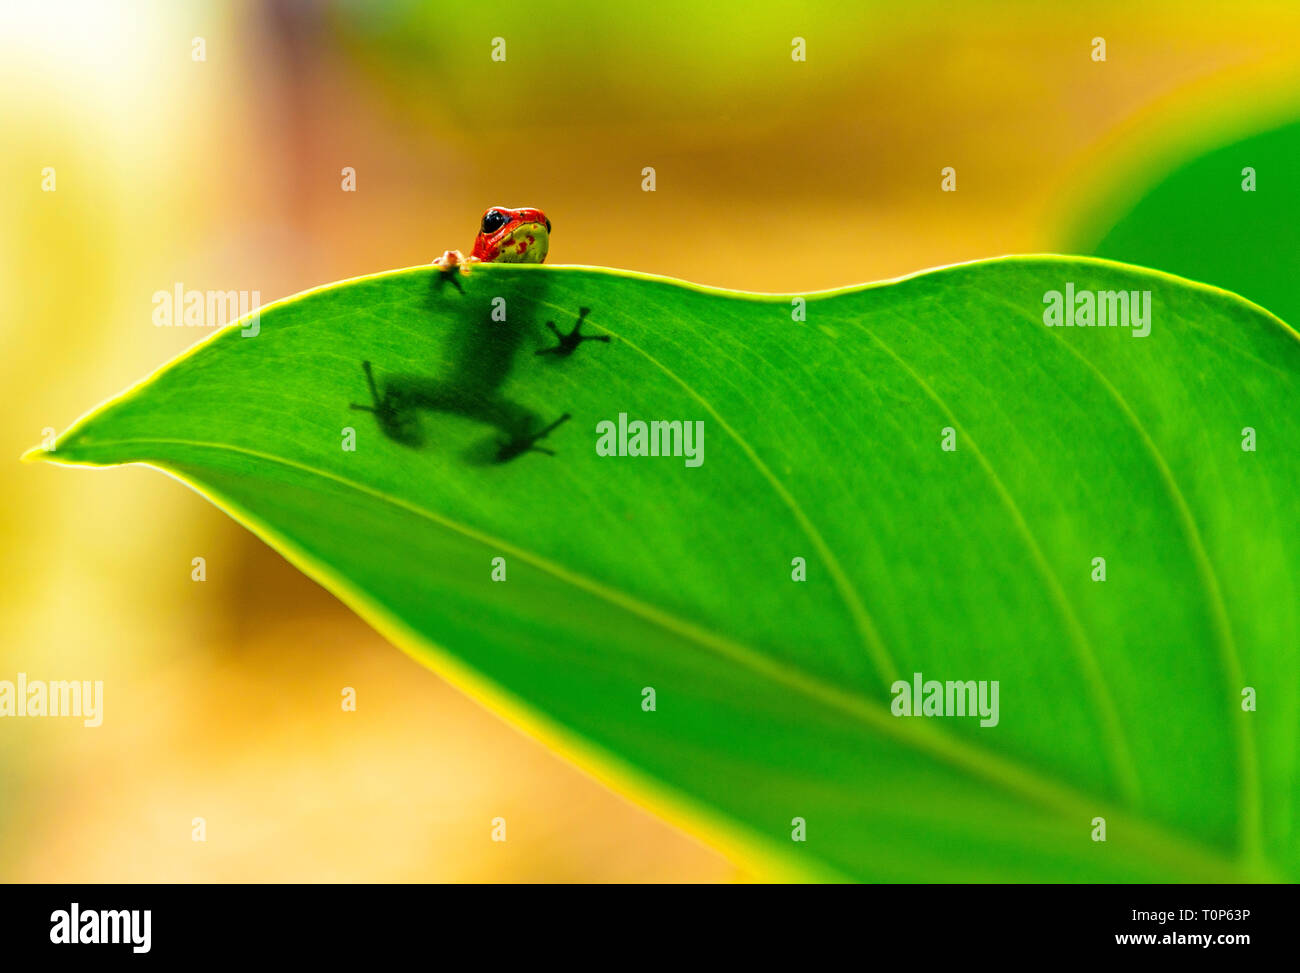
column 514, row 423
column 526, row 443
column 521, row 425
column 403, row 397
column 394, row 421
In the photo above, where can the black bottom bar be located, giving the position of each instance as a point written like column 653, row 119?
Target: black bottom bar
column 493, row 923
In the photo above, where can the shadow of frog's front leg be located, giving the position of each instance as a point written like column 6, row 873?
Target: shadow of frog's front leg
column 568, row 343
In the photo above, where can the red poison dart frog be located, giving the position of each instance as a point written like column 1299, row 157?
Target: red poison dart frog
column 472, row 389
column 509, row 236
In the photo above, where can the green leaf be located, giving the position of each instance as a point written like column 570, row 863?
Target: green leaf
column 1119, row 699
column 1198, row 221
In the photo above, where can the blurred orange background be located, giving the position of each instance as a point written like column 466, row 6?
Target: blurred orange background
column 222, row 698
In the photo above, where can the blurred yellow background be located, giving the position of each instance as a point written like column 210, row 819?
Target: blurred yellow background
column 222, row 697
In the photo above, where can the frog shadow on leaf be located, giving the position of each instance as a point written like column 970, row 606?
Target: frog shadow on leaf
column 480, row 354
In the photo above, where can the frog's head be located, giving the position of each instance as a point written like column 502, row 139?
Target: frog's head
column 513, row 236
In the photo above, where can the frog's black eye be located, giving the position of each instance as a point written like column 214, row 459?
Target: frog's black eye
column 493, row 220
column 548, row 226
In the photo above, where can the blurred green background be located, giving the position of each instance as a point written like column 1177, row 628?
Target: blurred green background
column 222, row 698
